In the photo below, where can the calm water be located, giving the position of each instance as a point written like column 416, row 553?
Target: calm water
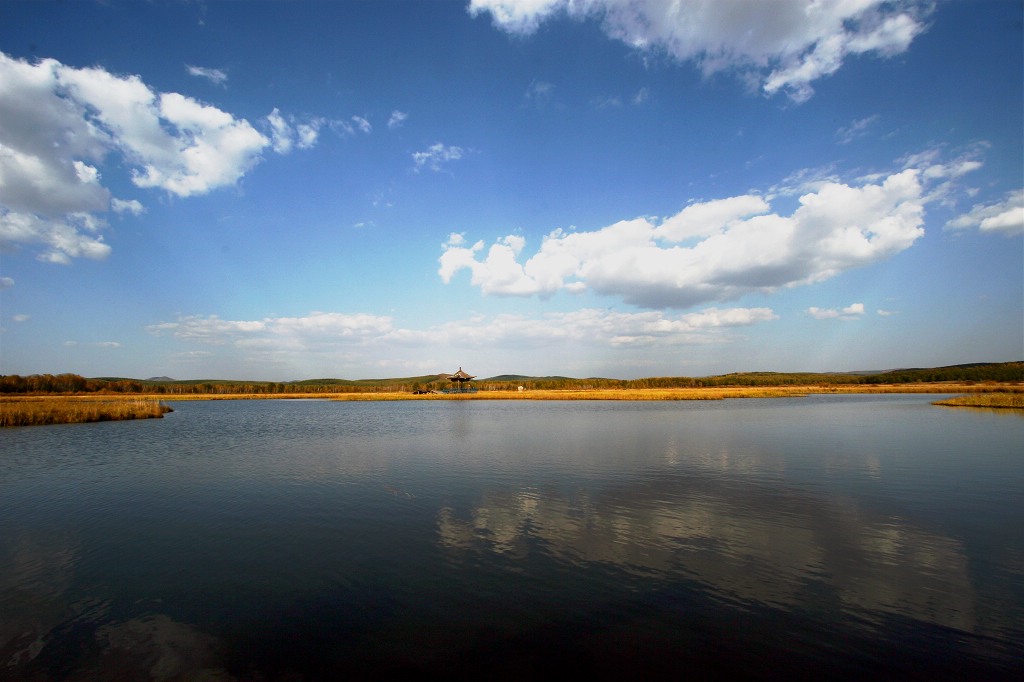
column 853, row 536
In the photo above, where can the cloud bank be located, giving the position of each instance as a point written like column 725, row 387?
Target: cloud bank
column 784, row 45
column 333, row 334
column 709, row 252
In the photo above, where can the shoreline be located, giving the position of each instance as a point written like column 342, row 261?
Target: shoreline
column 29, row 410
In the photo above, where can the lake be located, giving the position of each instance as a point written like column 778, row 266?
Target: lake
column 850, row 536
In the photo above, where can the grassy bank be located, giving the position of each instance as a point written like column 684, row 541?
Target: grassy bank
column 37, row 411
column 1013, row 401
column 697, row 393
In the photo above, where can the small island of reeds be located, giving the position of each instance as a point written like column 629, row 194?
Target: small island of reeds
column 1003, row 400
column 37, row 411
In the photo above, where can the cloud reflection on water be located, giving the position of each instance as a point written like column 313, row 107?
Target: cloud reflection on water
column 779, row 547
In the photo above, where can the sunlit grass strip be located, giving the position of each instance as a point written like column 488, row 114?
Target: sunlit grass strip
column 693, row 393
column 73, row 410
column 696, row 393
column 1014, row 401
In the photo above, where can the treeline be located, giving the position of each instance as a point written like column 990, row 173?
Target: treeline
column 1001, row 371
column 73, row 383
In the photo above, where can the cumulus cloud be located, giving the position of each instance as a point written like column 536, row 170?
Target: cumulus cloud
column 76, row 235
column 436, row 157
column 710, row 251
column 21, row 317
column 215, row 76
column 1002, row 217
column 851, row 312
column 59, row 124
column 6, row 283
column 785, row 45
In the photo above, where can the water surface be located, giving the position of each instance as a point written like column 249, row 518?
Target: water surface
column 844, row 535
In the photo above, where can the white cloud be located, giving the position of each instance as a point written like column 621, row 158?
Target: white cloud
column 127, row 206
column 215, row 76
column 708, row 252
column 108, row 344
column 58, row 124
column 1003, row 217
column 21, row 317
column 72, row 236
column 176, row 143
column 436, row 156
column 281, row 132
column 851, row 312
column 785, row 45
column 6, row 283
column 363, row 125
column 287, row 133
column 397, row 119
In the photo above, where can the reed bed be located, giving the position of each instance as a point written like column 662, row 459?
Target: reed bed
column 1013, row 401
column 38, row 411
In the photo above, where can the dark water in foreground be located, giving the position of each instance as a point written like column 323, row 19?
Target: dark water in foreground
column 849, row 536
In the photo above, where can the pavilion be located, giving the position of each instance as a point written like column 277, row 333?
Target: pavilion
column 459, row 380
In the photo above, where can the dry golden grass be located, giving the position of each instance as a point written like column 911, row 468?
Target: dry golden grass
column 36, row 411
column 1013, row 401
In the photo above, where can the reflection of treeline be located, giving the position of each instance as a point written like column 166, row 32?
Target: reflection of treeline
column 72, row 383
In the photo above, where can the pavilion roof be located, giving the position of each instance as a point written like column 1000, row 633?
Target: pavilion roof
column 461, row 376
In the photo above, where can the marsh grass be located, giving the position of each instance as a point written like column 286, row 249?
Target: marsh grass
column 37, row 411
column 1013, row 401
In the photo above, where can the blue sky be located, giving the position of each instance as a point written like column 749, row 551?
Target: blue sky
column 279, row 191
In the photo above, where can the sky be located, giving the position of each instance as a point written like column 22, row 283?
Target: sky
column 278, row 191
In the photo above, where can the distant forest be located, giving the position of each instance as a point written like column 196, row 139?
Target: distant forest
column 73, row 383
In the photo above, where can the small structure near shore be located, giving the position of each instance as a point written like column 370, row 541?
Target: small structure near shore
column 459, row 381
